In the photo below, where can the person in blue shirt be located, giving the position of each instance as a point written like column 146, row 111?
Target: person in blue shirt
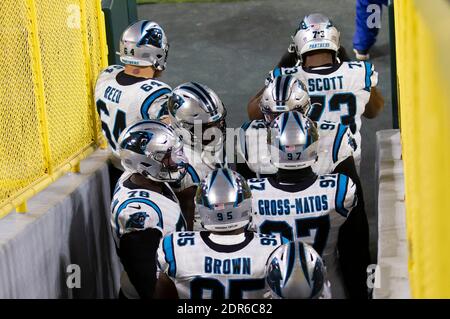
column 366, row 26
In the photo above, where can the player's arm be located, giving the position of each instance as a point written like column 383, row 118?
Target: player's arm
column 253, row 110
column 347, row 167
column 375, row 104
column 376, row 100
column 138, row 256
column 186, row 199
column 139, row 229
column 165, row 288
column 346, row 197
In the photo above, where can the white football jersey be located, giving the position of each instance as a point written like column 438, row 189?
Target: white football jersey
column 336, row 143
column 136, row 209
column 313, row 215
column 339, row 93
column 121, row 103
column 204, row 269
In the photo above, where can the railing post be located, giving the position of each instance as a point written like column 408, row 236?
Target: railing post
column 38, row 81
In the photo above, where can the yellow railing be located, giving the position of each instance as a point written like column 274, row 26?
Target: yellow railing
column 52, row 51
column 422, row 44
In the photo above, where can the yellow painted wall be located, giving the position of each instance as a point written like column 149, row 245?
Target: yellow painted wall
column 422, row 44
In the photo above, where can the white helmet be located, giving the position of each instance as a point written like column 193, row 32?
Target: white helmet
column 193, row 105
column 293, row 141
column 223, row 201
column 285, row 93
column 144, row 43
column 295, row 271
column 152, row 149
column 316, row 32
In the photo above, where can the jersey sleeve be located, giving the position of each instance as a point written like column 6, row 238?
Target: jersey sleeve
column 279, row 71
column 344, row 144
column 136, row 214
column 370, row 76
column 166, row 256
column 155, row 104
column 345, row 198
column 253, row 147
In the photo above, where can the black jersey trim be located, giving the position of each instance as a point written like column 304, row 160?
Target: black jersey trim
column 330, row 68
column 166, row 191
column 226, row 248
column 303, row 183
column 125, row 79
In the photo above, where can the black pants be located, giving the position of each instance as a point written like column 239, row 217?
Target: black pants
column 353, row 240
column 354, row 254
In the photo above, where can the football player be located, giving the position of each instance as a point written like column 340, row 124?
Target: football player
column 287, row 93
column 298, row 203
column 335, row 155
column 225, row 261
column 126, row 94
column 198, row 115
column 144, row 207
column 296, row 271
column 340, row 92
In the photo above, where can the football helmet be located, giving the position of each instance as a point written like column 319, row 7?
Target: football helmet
column 223, row 201
column 144, row 43
column 315, row 32
column 199, row 115
column 285, row 93
column 295, row 271
column 293, row 141
column 152, row 149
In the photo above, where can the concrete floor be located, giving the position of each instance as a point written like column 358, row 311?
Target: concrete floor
column 232, row 46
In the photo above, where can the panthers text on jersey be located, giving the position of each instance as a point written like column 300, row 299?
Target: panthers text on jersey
column 202, row 268
column 313, row 215
column 122, row 100
column 136, row 209
column 339, row 93
column 336, row 143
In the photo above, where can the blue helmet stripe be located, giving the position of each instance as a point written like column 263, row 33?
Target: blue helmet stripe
column 213, row 178
column 303, row 261
column 287, row 81
column 198, row 95
column 284, row 120
column 277, row 89
column 291, row 260
column 143, row 26
column 150, row 99
column 298, row 120
column 227, row 176
column 208, row 96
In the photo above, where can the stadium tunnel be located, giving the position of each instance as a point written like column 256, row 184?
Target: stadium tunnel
column 49, row 188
